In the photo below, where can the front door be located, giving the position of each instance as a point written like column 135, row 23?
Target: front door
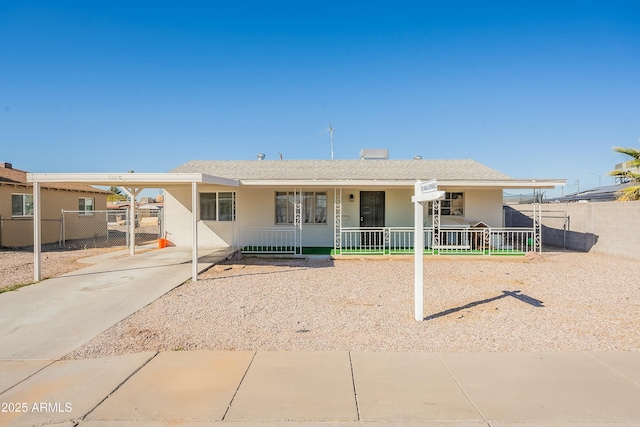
column 372, row 215
column 372, row 209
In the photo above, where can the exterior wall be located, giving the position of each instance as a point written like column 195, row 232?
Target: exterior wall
column 18, row 231
column 479, row 205
column 398, row 209
column 255, row 208
column 177, row 215
column 485, row 206
column 178, row 218
column 610, row 228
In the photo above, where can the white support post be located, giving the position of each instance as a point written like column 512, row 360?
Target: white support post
column 418, row 249
column 435, row 219
column 194, row 230
column 537, row 221
column 37, row 233
column 337, row 221
column 132, row 193
column 297, row 232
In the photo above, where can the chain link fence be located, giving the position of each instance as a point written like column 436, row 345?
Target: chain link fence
column 109, row 228
column 18, row 232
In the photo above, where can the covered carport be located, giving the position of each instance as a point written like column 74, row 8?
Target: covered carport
column 132, row 184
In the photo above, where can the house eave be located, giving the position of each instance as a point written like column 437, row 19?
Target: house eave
column 493, row 184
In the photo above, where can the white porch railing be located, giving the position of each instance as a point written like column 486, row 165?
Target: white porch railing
column 396, row 240
column 271, row 240
column 400, row 240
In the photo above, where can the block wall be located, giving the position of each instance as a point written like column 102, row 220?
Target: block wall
column 611, row 228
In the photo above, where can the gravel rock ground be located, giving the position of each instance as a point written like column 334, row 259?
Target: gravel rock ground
column 16, row 266
column 561, row 302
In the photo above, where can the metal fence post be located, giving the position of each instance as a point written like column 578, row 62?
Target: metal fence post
column 126, row 221
column 63, row 231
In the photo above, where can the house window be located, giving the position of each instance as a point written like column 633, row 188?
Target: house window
column 451, row 205
column 227, row 206
column 22, row 205
column 314, row 207
column 284, row 207
column 208, row 206
column 85, row 205
column 219, row 206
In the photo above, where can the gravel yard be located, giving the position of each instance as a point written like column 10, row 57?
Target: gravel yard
column 16, row 266
column 563, row 301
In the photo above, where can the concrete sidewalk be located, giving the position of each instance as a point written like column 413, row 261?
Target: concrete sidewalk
column 49, row 319
column 325, row 389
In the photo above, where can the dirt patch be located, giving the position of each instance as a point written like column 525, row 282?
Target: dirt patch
column 16, row 266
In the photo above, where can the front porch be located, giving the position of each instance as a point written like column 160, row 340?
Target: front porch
column 393, row 241
column 372, row 239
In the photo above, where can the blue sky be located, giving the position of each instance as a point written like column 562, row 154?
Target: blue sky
column 533, row 89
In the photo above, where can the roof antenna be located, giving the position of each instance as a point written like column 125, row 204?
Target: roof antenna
column 330, row 130
column 331, row 138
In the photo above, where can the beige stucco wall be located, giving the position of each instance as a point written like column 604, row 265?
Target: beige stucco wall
column 255, row 207
column 609, row 228
column 18, row 231
column 483, row 205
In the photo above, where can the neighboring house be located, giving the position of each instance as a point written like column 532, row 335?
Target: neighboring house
column 16, row 208
column 357, row 206
column 607, row 193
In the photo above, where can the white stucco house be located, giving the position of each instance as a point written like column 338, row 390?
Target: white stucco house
column 345, row 206
column 320, row 206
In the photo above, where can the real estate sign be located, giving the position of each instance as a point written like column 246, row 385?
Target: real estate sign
column 424, row 192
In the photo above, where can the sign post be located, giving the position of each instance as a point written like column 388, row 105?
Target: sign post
column 424, row 192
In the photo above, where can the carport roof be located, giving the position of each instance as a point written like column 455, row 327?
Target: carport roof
column 132, row 179
column 133, row 183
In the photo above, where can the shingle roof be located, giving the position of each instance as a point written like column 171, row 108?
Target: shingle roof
column 12, row 175
column 19, row 177
column 343, row 169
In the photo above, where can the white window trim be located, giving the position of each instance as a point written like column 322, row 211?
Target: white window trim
column 315, row 207
column 275, row 212
column 464, row 202
column 234, row 198
column 24, row 207
column 302, row 193
column 87, row 212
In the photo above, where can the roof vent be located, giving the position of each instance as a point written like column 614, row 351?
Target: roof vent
column 261, row 156
column 6, row 165
column 374, row 154
column 417, row 157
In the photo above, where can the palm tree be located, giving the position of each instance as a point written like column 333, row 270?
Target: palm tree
column 629, row 173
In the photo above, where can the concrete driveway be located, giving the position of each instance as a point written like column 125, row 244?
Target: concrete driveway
column 49, row 319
